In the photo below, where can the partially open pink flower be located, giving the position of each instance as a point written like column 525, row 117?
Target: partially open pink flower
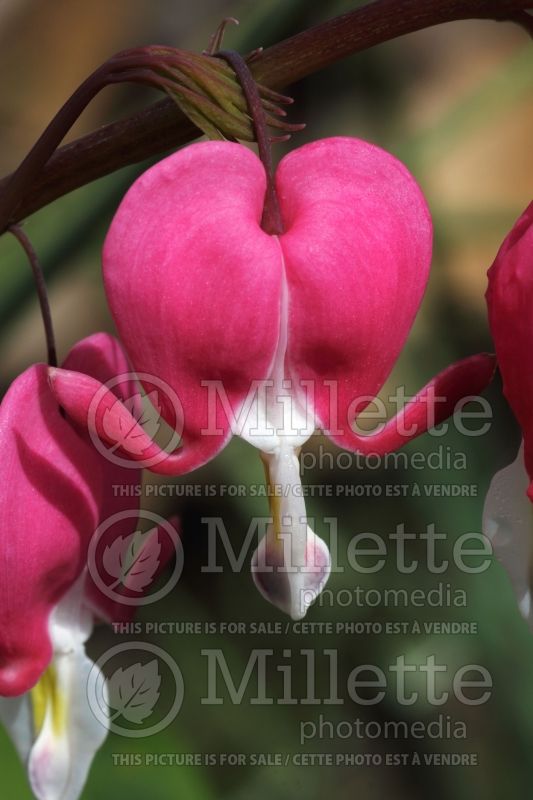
column 57, row 491
column 510, row 307
column 508, row 516
column 271, row 336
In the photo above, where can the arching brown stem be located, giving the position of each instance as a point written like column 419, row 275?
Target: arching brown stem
column 42, row 294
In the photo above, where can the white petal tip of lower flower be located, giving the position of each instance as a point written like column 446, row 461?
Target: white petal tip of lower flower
column 525, row 607
column 507, row 523
column 290, row 588
column 53, row 726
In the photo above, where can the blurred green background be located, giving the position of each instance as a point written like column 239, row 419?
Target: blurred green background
column 454, row 103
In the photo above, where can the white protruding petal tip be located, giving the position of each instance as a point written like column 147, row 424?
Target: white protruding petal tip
column 292, row 589
column 508, row 522
column 70, row 736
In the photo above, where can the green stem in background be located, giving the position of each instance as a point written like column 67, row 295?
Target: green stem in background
column 42, row 294
column 271, row 222
column 162, row 127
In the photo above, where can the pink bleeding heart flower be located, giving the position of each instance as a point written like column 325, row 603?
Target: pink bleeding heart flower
column 507, row 515
column 270, row 336
column 58, row 490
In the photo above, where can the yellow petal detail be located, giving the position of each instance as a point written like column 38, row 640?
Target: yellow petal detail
column 48, row 699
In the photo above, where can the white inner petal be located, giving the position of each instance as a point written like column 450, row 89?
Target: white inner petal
column 280, row 412
column 291, row 565
column 53, row 727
